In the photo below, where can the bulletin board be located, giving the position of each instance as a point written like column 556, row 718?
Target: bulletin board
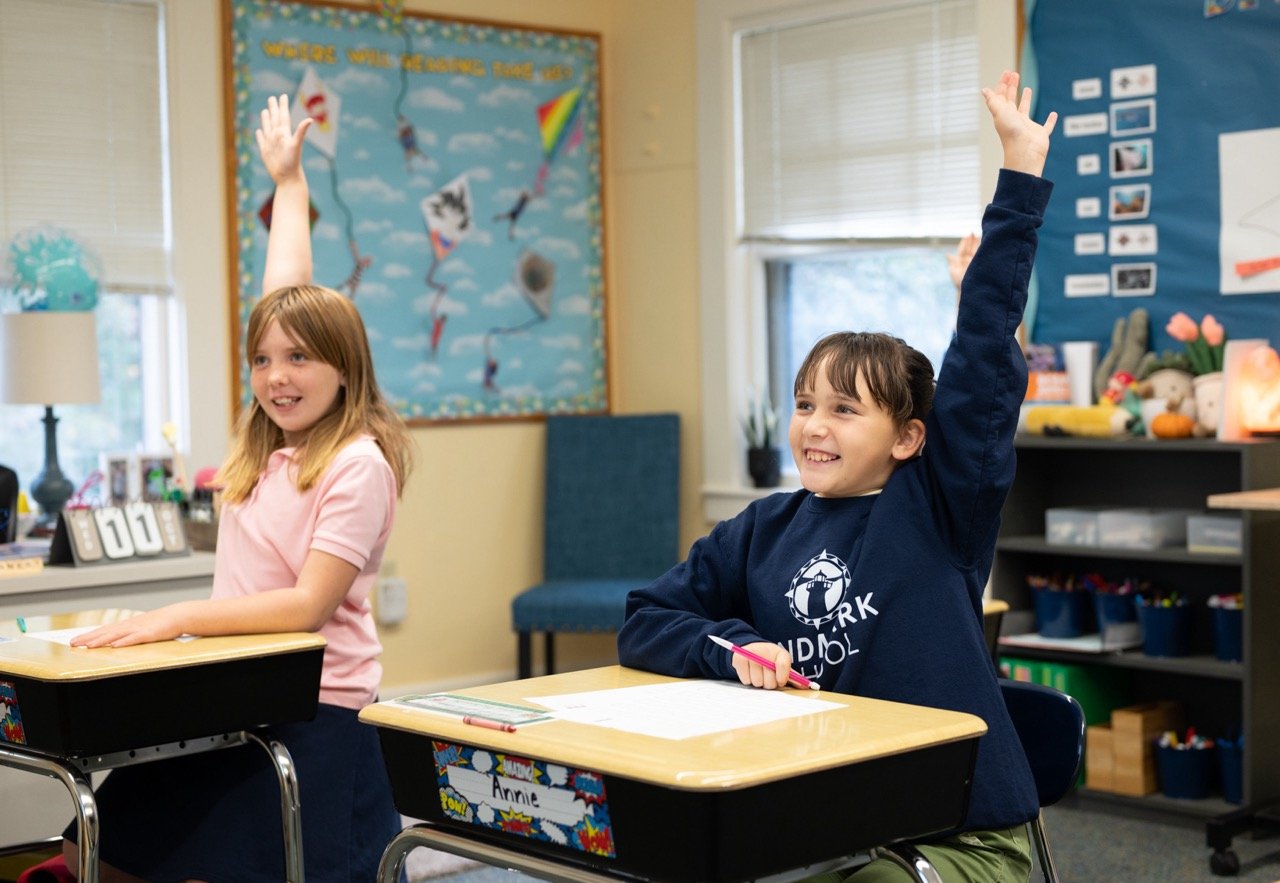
column 456, row 197
column 1165, row 163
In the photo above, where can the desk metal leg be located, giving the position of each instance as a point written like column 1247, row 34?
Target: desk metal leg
column 290, row 804
column 87, row 826
column 393, row 857
column 910, row 859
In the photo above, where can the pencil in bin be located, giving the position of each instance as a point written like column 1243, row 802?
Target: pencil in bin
column 797, row 679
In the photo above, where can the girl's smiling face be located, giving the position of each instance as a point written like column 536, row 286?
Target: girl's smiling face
column 845, row 446
column 293, row 388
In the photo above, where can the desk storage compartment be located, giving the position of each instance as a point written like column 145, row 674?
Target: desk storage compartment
column 83, row 718
column 663, row 833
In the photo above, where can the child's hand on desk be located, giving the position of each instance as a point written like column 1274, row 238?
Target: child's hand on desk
column 755, row 675
column 145, row 628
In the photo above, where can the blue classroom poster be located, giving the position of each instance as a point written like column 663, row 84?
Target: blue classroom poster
column 1166, row 165
column 456, row 189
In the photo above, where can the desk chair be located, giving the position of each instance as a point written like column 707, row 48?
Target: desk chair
column 1050, row 726
column 611, row 508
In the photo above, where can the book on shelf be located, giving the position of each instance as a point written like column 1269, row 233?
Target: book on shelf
column 23, row 558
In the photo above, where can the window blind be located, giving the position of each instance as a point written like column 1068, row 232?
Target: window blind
column 82, row 133
column 864, row 126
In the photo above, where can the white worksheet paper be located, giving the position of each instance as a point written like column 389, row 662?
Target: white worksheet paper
column 682, row 710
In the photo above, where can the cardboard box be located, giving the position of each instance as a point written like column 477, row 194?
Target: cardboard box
column 1099, row 764
column 1134, row 731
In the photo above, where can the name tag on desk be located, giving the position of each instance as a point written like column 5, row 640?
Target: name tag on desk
column 118, row 533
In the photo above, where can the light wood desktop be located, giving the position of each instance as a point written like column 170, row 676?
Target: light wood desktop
column 71, row 711
column 732, row 805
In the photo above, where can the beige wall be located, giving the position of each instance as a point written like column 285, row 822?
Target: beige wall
column 469, row 531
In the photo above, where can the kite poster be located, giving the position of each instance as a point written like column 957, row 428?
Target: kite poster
column 456, row 198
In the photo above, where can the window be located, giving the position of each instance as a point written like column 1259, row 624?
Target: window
column 857, row 135
column 904, row 291
column 83, row 150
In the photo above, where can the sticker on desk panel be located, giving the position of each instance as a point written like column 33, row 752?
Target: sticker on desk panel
column 11, row 730
column 529, row 798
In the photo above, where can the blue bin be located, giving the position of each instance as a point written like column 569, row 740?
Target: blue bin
column 1061, row 614
column 1187, row 772
column 1112, row 609
column 1231, row 768
column 1228, row 633
column 1166, row 631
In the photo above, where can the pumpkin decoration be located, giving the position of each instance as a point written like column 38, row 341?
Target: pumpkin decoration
column 1172, row 423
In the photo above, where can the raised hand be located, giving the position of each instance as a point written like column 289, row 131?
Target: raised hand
column 279, row 144
column 958, row 261
column 1025, row 142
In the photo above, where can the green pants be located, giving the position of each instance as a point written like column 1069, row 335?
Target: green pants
column 971, row 857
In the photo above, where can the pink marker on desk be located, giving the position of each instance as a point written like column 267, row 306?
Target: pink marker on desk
column 797, row 679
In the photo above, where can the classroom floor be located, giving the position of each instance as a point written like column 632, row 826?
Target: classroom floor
column 1090, row 843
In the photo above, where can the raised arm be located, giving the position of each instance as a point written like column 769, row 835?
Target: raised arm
column 289, row 240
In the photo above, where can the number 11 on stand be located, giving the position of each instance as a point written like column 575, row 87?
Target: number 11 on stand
column 114, row 533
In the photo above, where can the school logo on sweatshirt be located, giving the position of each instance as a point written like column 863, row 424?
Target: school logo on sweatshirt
column 818, row 589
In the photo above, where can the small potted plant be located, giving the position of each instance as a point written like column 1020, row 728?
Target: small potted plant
column 1204, row 349
column 760, row 426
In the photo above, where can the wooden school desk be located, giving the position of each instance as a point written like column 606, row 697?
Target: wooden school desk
column 68, row 712
column 732, row 805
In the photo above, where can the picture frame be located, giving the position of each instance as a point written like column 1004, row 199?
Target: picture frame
column 153, row 472
column 457, row 197
column 120, row 481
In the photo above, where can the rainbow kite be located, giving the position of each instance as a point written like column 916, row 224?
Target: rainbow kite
column 560, row 125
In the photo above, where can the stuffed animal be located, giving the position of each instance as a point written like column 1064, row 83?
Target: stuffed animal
column 1103, row 420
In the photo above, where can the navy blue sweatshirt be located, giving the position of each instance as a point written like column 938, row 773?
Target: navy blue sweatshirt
column 881, row 595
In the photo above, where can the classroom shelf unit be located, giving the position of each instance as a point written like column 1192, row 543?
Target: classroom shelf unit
column 1134, row 473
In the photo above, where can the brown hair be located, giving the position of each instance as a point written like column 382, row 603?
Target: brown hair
column 898, row 376
column 328, row 327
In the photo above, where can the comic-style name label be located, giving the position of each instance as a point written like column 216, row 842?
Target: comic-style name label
column 528, row 798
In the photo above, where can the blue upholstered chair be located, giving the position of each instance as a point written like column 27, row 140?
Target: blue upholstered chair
column 612, row 524
column 1051, row 727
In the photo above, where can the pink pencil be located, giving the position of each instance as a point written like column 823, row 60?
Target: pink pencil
column 797, row 679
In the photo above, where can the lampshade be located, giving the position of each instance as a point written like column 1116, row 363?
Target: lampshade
column 50, row 358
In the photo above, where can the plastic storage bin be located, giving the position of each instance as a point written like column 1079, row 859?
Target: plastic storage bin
column 1231, row 769
column 1166, row 631
column 1228, row 633
column 1142, row 528
column 1187, row 772
column 1062, row 614
column 1072, row 526
column 1223, row 534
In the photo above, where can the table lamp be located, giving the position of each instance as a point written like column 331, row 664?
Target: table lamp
column 1259, row 397
column 49, row 358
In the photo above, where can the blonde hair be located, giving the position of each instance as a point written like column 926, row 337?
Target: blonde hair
column 328, row 327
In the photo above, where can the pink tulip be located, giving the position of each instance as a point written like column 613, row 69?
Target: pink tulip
column 1182, row 327
column 1212, row 331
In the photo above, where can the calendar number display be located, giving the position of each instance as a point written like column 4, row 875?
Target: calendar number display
column 118, row 533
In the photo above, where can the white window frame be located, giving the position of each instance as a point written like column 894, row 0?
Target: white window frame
column 734, row 322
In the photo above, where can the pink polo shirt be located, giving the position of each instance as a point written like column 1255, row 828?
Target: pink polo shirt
column 263, row 542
